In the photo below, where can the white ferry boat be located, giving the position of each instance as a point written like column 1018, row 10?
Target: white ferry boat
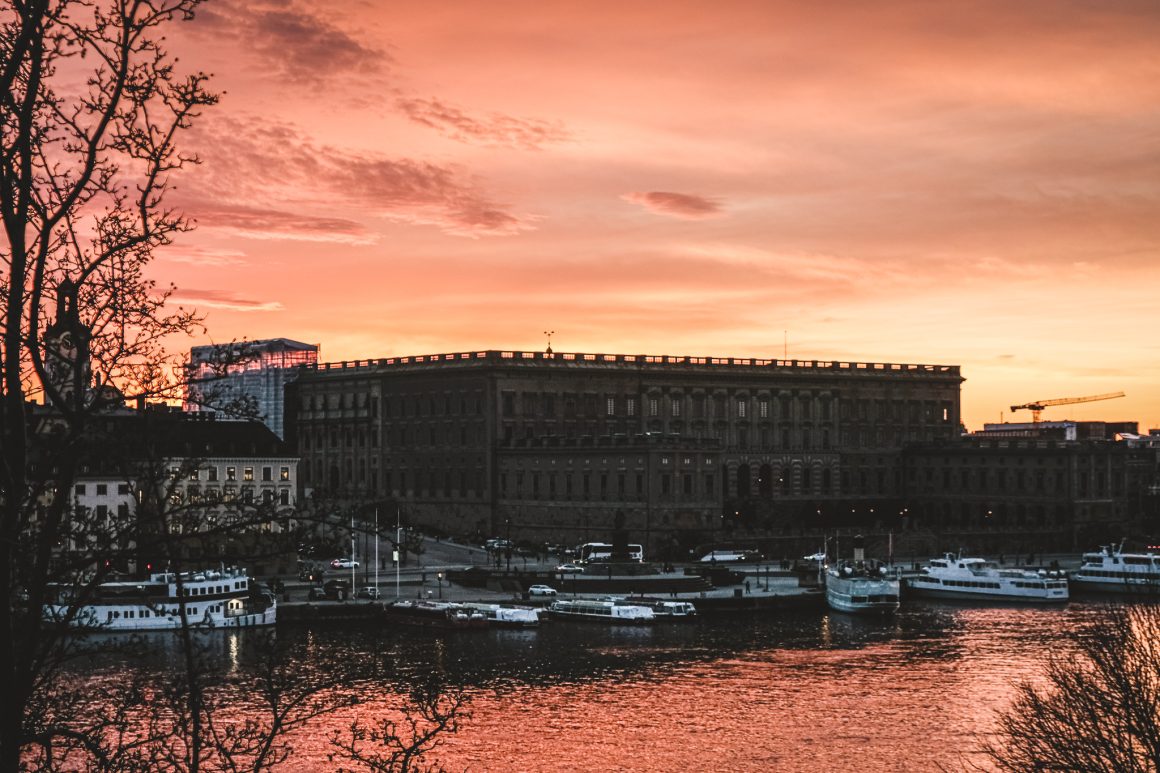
column 601, row 611
column 209, row 599
column 1111, row 570
column 976, row 579
column 859, row 587
column 503, row 616
column 665, row 610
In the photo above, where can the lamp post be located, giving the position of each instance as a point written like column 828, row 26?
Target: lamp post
column 439, row 577
column 508, row 547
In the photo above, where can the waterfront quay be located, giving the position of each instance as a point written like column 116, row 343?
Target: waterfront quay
column 460, row 573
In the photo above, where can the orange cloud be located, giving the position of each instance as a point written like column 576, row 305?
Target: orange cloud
column 494, row 129
column 680, row 205
column 221, row 300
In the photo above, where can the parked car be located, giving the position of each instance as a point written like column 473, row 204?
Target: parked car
column 367, row 593
column 316, row 594
column 344, row 563
column 541, row 590
column 569, row 568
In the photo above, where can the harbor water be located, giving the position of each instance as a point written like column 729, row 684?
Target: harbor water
column 800, row 691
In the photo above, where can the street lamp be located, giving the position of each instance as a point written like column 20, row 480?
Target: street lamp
column 439, row 577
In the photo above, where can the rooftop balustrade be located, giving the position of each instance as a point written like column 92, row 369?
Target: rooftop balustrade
column 627, row 361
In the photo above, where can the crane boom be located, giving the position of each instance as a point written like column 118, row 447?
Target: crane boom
column 1037, row 407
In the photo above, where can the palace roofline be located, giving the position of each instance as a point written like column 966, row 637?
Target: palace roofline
column 516, row 358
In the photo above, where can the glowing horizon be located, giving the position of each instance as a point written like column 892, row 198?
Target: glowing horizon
column 971, row 185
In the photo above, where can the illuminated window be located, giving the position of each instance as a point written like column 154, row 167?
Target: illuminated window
column 247, row 473
column 284, row 473
column 741, row 405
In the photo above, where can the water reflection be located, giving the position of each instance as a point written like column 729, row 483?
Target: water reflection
column 789, row 692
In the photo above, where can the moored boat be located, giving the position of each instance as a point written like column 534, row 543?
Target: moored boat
column 666, row 610
column 1111, row 570
column 976, row 579
column 601, row 611
column 207, row 599
column 503, row 616
column 443, row 615
column 862, row 587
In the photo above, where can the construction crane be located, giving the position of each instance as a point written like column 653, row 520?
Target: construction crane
column 1037, row 407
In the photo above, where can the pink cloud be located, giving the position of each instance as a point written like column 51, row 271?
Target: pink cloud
column 272, row 167
column 261, row 223
column 494, row 129
column 220, row 300
column 291, row 41
column 680, row 205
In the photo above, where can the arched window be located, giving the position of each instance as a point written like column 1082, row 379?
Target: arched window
column 743, row 481
column 765, row 481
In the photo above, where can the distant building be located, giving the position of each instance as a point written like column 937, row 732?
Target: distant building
column 209, row 472
column 1049, row 491
column 553, row 446
column 247, row 378
column 1059, row 430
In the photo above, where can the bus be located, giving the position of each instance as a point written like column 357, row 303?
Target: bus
column 601, row 551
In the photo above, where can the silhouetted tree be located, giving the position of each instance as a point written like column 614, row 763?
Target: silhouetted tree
column 92, row 108
column 400, row 745
column 1097, row 708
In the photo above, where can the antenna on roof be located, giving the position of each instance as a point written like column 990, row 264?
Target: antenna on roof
column 549, row 334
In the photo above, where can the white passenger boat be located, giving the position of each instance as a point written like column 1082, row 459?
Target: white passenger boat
column 444, row 615
column 665, row 610
column 601, row 611
column 208, row 599
column 503, row 616
column 1111, row 570
column 862, row 587
column 976, row 579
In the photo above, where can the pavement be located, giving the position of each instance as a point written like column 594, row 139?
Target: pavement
column 419, row 577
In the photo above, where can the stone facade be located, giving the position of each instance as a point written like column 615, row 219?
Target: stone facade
column 551, row 446
column 1032, row 494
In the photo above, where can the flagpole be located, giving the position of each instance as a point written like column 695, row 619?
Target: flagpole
column 398, row 551
column 353, row 582
column 376, row 549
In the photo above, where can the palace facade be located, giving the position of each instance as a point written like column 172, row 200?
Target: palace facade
column 552, row 446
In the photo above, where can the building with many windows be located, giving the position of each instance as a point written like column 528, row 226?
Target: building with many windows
column 246, row 378
column 553, row 446
column 1050, row 491
column 213, row 476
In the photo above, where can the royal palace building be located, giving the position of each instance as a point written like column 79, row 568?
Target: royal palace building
column 553, row 446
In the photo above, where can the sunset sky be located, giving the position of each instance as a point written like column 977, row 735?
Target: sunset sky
column 971, row 183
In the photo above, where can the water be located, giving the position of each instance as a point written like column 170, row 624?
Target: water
column 801, row 692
